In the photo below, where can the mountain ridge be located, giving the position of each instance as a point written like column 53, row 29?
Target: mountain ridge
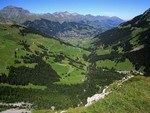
column 98, row 23
column 130, row 40
column 64, row 13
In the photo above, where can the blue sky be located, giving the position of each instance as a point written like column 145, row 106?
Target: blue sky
column 125, row 9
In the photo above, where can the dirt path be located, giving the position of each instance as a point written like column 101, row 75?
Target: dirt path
column 71, row 69
column 16, row 111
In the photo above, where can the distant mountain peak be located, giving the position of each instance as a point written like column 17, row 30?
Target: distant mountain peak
column 15, row 9
column 75, row 14
column 66, row 13
column 10, row 6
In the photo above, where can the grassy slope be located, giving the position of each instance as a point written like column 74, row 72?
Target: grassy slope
column 26, row 86
column 126, row 65
column 9, row 44
column 117, row 46
column 80, row 42
column 102, row 51
column 133, row 96
column 130, row 40
column 112, row 62
column 69, row 69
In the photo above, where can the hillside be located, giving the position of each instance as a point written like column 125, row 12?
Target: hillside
column 71, row 24
column 43, row 71
column 129, row 43
column 28, row 58
column 132, row 96
column 5, row 21
column 62, row 30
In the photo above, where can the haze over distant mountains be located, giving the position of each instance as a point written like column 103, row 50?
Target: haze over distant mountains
column 61, row 24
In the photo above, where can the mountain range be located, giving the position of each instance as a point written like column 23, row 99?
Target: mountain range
column 77, row 25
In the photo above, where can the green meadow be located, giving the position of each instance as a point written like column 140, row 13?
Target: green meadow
column 126, row 65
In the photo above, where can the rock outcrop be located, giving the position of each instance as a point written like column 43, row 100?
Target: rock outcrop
column 97, row 97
